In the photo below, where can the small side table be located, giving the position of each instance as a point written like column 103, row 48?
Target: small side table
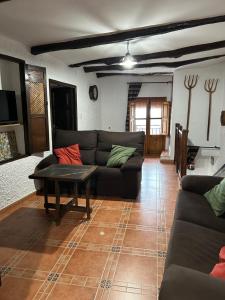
column 66, row 173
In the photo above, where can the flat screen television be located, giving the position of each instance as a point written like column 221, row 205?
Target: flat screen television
column 8, row 109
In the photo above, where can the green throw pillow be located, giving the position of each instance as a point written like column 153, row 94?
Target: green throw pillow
column 216, row 198
column 119, row 155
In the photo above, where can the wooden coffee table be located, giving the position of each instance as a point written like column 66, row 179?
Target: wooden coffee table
column 66, row 173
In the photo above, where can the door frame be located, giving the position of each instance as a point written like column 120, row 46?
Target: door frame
column 147, row 135
column 53, row 83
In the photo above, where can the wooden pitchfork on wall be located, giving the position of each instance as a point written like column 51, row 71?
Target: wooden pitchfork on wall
column 190, row 82
column 210, row 87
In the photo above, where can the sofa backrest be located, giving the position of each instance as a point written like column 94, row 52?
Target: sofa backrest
column 87, row 141
column 95, row 146
column 128, row 139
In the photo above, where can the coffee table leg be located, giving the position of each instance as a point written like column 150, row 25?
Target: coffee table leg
column 57, row 202
column 46, row 197
column 75, row 199
column 87, row 192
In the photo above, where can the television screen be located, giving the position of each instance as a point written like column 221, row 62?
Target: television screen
column 8, row 109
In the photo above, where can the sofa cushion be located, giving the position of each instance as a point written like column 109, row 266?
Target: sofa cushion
column 88, row 157
column 128, row 139
column 181, row 283
column 194, row 246
column 102, row 157
column 218, row 271
column 107, row 139
column 119, row 155
column 195, row 208
column 222, row 254
column 87, row 141
column 109, row 181
column 108, row 174
column 216, row 198
column 68, row 155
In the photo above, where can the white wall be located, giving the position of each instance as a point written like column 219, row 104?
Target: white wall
column 14, row 182
column 199, row 114
column 114, row 92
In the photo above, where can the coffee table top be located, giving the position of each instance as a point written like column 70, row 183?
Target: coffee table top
column 65, row 172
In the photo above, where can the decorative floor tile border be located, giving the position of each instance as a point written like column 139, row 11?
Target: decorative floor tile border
column 106, row 283
column 61, row 263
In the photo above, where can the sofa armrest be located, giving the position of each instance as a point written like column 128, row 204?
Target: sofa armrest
column 133, row 164
column 47, row 161
column 187, row 284
column 199, row 184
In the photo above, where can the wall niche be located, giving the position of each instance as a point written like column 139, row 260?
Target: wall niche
column 13, row 143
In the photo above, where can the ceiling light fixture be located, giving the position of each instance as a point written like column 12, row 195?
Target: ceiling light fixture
column 128, row 61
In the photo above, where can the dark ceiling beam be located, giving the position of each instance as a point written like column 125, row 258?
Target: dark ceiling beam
column 100, row 75
column 176, row 53
column 151, row 65
column 124, row 35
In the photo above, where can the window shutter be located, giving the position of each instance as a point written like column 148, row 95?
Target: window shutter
column 37, row 109
column 165, row 118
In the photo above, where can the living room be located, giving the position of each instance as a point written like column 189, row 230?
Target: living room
column 104, row 234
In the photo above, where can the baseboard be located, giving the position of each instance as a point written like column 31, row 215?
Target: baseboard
column 12, row 205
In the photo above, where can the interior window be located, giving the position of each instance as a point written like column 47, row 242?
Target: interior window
column 138, row 112
column 150, row 116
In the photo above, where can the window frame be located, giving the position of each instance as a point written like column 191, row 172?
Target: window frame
column 148, row 118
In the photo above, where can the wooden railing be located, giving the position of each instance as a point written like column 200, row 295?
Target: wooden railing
column 180, row 155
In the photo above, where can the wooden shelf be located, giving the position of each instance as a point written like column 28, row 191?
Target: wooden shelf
column 12, row 159
column 10, row 125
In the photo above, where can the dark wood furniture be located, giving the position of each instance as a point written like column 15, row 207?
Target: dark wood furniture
column 180, row 156
column 124, row 35
column 37, row 111
column 66, row 173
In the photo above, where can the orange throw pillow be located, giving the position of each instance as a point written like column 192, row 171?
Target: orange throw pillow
column 222, row 254
column 69, row 155
column 218, row 271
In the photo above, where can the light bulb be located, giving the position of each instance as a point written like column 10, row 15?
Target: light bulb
column 128, row 61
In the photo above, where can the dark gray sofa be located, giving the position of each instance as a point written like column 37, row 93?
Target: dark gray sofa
column 196, row 239
column 95, row 147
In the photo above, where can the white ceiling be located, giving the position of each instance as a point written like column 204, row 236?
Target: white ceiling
column 35, row 22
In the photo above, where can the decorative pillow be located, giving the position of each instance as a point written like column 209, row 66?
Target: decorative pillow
column 216, row 198
column 119, row 155
column 218, row 271
column 222, row 254
column 68, row 155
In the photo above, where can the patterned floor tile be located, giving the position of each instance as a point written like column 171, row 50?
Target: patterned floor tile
column 118, row 254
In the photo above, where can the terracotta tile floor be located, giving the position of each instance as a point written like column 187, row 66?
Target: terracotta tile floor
column 118, row 254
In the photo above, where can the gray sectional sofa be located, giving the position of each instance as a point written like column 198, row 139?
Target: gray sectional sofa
column 196, row 239
column 95, row 147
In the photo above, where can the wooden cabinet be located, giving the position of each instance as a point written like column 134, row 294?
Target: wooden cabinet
column 36, row 94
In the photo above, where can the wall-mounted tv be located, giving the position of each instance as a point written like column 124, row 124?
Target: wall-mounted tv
column 8, row 109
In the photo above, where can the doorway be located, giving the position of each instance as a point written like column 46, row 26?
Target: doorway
column 63, row 98
column 151, row 115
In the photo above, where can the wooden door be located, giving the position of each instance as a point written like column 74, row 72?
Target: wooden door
column 151, row 115
column 37, row 109
column 63, row 108
column 155, row 144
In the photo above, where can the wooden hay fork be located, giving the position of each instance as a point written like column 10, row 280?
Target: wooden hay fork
column 190, row 82
column 210, row 87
